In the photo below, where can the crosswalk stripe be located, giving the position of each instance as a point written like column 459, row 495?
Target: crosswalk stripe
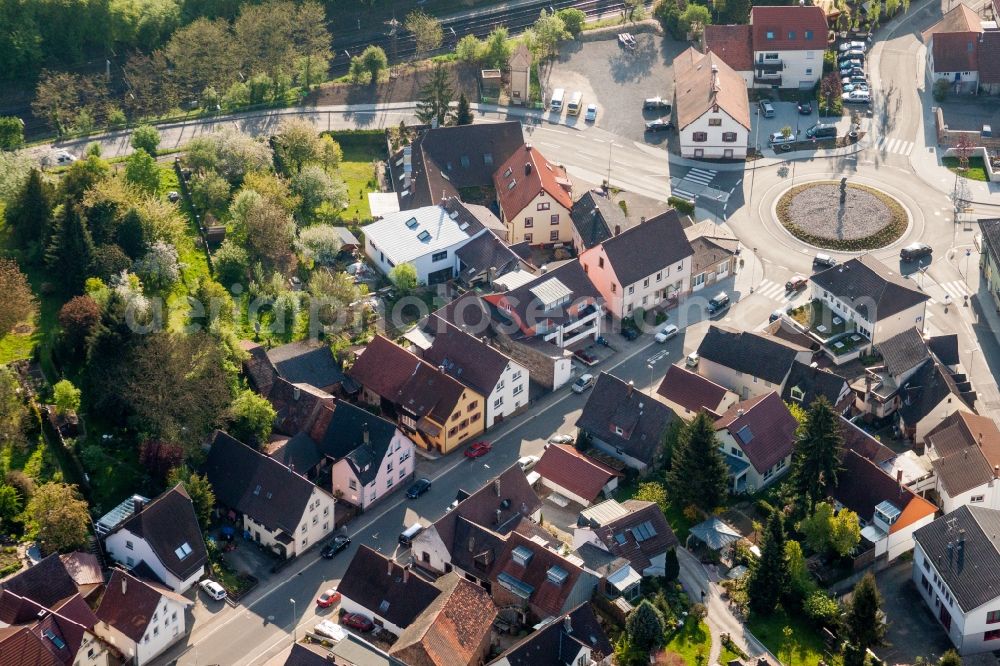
column 698, row 178
column 682, row 193
column 908, row 148
column 892, row 145
column 705, row 172
column 957, row 290
column 881, row 142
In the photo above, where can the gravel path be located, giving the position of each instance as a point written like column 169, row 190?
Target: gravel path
column 816, row 210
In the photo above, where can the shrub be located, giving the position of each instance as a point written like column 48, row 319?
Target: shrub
column 821, row 608
column 681, row 205
column 941, row 87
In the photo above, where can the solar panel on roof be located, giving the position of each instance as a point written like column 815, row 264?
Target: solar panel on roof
column 644, row 531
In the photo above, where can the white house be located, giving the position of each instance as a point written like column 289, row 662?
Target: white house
column 956, row 568
column 281, row 509
column 711, row 106
column 635, row 530
column 426, row 238
column 871, row 299
column 747, row 363
column 479, row 366
column 645, row 267
column 788, row 45
column 955, row 50
column 964, row 450
column 140, row 619
column 165, row 536
column 757, row 438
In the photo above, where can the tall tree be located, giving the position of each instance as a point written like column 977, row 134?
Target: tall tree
column 817, row 454
column 769, row 575
column 30, row 214
column 264, row 38
column 652, row 491
column 311, row 41
column 13, row 411
column 58, row 517
column 463, row 115
column 152, row 86
column 199, row 490
column 315, row 187
column 251, row 418
column 698, row 475
column 146, row 137
column 497, row 48
column 863, row 623
column 77, row 318
column 296, row 143
column 436, row 96
column 427, row 32
column 264, row 228
column 142, row 171
column 70, row 250
column 374, row 61
column 645, row 627
column 203, row 54
column 11, row 132
column 549, row 30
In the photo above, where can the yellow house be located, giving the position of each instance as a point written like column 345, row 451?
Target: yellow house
column 436, row 411
column 535, row 198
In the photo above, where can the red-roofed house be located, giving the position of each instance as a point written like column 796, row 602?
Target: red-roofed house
column 788, row 45
column 574, row 475
column 757, row 437
column 734, row 44
column 953, row 49
column 535, row 198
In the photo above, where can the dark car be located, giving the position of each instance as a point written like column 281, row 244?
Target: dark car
column 629, row 333
column 651, row 103
column 796, row 283
column 659, row 125
column 335, row 545
column 357, row 621
column 805, row 108
column 419, row 487
column 915, row 251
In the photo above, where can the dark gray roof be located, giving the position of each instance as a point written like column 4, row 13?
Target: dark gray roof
column 466, row 358
column 991, row 237
column 553, row 644
column 257, row 485
column 755, row 354
column 306, row 363
column 925, row 390
column 647, row 248
column 385, row 588
column 813, row 382
column 300, row 452
column 595, row 218
column 903, row 351
column 47, row 583
column 475, row 548
column 642, row 419
column 865, row 283
column 344, row 437
column 945, row 347
column 484, row 252
column 166, row 524
column 447, row 159
column 972, row 572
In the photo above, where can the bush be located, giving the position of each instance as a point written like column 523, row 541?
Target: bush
column 941, row 87
column 681, row 205
column 822, row 608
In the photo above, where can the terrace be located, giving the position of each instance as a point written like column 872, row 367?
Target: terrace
column 837, row 335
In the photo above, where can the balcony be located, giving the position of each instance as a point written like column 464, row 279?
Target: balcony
column 839, row 337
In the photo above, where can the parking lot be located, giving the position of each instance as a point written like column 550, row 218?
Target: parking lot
column 786, row 114
column 617, row 80
column 970, row 113
column 913, row 632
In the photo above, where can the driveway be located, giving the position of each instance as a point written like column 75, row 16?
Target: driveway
column 913, row 632
column 970, row 113
column 617, row 80
column 786, row 114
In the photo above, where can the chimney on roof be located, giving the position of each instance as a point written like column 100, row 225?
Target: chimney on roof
column 631, row 387
column 137, row 505
column 980, row 441
column 802, row 3
column 291, row 467
column 618, row 229
column 739, row 411
column 899, row 478
column 527, row 147
column 388, row 567
column 568, row 624
column 444, row 197
column 715, row 78
column 441, row 368
column 296, row 392
column 496, row 486
column 124, row 584
column 996, row 471
column 642, row 218
column 364, row 434
column 527, row 168
column 406, row 574
column 498, row 516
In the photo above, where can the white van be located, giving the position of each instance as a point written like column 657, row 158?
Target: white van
column 409, row 534
column 575, row 103
column 556, row 103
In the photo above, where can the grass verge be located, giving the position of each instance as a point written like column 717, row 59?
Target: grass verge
column 691, row 641
column 803, row 648
column 976, row 170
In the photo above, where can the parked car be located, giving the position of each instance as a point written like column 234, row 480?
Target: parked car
column 584, row 357
column 655, row 103
column 824, row 260
column 591, row 114
column 527, row 462
column 849, row 46
column 766, row 108
column 796, row 283
column 583, row 383
column 626, row 39
column 357, row 621
column 629, row 333
column 659, row 125
column 666, row 333
column 852, row 68
column 851, row 87
column 692, row 360
column 331, row 630
column 859, row 78
column 477, row 449
column 718, row 303
column 173, row 196
column 805, row 108
column 419, row 487
column 778, row 138
column 915, row 251
column 851, row 53
column 561, row 438
column 775, row 316
column 328, row 598
column 857, row 97
column 212, row 589
column 335, row 545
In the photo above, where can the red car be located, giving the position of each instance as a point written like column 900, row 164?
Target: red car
column 478, row 449
column 357, row 621
column 328, row 598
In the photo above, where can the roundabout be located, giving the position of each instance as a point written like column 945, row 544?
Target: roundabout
column 842, row 216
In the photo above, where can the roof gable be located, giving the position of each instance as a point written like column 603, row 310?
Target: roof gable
column 524, row 176
column 960, row 19
column 563, row 465
column 756, row 354
column 646, row 248
column 690, row 390
column 862, row 485
column 128, row 604
column 359, row 436
column 784, row 28
column 596, row 218
column 467, row 358
column 763, row 428
column 553, row 642
column 805, row 384
column 639, row 535
column 972, row 574
column 732, row 43
column 170, row 526
column 385, row 588
column 306, row 363
column 703, row 82
column 866, row 284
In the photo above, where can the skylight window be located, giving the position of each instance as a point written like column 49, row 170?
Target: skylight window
column 644, row 531
column 620, row 538
column 424, row 236
column 412, row 223
column 511, row 184
column 557, row 575
column 182, row 550
column 383, row 607
column 58, row 642
column 745, row 434
column 522, row 555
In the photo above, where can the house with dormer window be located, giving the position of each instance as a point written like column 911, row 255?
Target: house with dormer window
column 535, row 198
column 711, row 106
column 634, row 530
column 757, row 439
column 164, row 537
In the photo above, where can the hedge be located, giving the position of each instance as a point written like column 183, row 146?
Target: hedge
column 682, row 205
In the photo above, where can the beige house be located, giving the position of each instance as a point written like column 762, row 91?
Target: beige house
column 520, row 75
column 535, row 199
column 712, row 107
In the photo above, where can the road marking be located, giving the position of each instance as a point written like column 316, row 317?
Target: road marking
column 701, row 176
column 550, row 145
column 597, row 140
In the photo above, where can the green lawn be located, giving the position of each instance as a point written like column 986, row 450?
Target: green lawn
column 805, row 647
column 976, row 170
column 360, row 179
column 692, row 639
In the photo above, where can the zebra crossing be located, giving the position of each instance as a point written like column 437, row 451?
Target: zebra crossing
column 893, row 145
column 701, row 176
column 774, row 291
column 956, row 290
column 694, row 182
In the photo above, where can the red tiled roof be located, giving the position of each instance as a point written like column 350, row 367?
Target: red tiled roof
column 788, row 26
column 771, row 429
column 955, row 51
column 703, row 81
column 128, row 604
column 732, row 43
column 531, row 174
column 564, row 466
column 690, row 390
column 989, row 56
column 619, row 537
column 959, row 19
column 547, row 598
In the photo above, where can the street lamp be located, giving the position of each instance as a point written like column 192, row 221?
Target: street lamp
column 753, row 269
column 650, row 366
column 972, row 356
column 294, row 638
